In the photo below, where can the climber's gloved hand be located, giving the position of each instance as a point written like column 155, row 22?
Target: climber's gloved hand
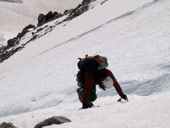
column 124, row 96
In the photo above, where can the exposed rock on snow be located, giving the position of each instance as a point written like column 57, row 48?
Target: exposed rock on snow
column 81, row 8
column 7, row 125
column 53, row 120
column 42, row 19
column 15, row 40
column 39, row 83
column 25, row 30
column 13, row 45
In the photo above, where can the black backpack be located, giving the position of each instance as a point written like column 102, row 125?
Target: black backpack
column 92, row 63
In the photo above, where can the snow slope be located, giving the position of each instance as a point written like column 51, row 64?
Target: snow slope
column 140, row 112
column 39, row 81
column 15, row 16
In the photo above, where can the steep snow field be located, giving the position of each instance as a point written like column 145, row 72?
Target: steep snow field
column 39, row 81
column 15, row 16
column 140, row 112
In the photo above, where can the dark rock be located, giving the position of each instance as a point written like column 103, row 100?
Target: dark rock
column 53, row 120
column 25, row 30
column 67, row 11
column 7, row 125
column 28, row 27
column 104, row 2
column 41, row 19
column 11, row 47
column 55, row 14
column 80, row 9
column 49, row 16
column 12, row 42
column 33, row 38
column 87, row 1
column 2, row 49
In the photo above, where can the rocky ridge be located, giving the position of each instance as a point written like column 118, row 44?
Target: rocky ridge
column 14, row 45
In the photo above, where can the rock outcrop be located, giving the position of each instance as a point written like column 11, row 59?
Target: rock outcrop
column 7, row 125
column 42, row 19
column 52, row 120
column 80, row 9
column 13, row 45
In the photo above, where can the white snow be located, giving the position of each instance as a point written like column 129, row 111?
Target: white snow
column 149, row 112
column 14, row 17
column 39, row 81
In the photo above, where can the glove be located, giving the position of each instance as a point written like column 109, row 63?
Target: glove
column 124, row 96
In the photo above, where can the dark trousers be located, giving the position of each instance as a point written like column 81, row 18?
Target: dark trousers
column 92, row 96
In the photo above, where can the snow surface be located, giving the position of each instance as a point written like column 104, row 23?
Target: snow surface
column 39, row 81
column 15, row 16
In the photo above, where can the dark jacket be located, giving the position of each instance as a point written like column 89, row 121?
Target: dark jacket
column 93, row 78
